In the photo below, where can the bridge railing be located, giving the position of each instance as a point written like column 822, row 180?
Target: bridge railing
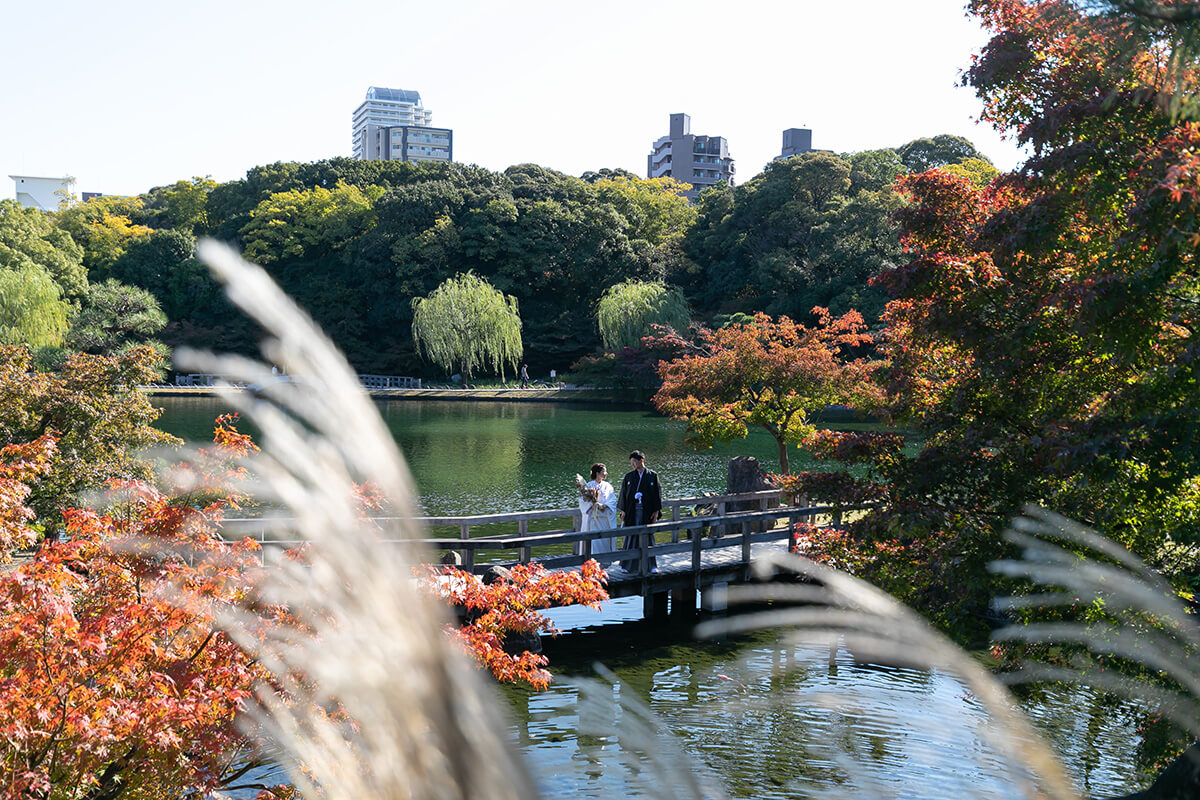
column 389, row 382
column 715, row 527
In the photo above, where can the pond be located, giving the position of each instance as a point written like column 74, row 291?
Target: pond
column 751, row 711
column 490, row 457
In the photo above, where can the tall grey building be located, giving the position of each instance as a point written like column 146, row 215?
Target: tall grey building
column 393, row 125
column 795, row 142
column 699, row 160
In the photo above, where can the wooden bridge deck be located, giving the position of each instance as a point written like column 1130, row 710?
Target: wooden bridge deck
column 702, row 543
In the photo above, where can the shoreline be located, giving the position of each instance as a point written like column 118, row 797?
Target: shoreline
column 604, row 396
column 609, row 397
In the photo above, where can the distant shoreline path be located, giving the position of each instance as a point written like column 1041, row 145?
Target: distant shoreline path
column 610, row 396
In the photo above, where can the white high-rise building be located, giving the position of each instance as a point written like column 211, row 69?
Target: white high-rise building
column 386, row 108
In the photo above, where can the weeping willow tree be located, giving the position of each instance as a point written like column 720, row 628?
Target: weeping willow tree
column 32, row 309
column 628, row 309
column 469, row 324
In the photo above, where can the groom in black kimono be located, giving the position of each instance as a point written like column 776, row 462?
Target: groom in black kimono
column 640, row 502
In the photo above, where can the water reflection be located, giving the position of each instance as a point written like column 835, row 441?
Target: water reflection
column 773, row 720
column 784, row 720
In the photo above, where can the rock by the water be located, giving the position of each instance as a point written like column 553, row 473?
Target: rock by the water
column 494, row 574
column 747, row 475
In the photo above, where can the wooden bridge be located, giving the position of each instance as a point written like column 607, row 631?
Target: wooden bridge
column 701, row 545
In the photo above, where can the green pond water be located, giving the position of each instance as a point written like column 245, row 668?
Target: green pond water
column 762, row 716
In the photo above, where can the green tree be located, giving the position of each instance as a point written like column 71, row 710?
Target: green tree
column 468, row 324
column 938, row 151
column 116, row 318
column 183, row 205
column 104, row 228
column 657, row 208
column 32, row 310
column 874, row 170
column 29, row 238
column 102, row 420
column 305, row 224
column 976, row 170
column 150, row 261
column 628, row 311
column 810, row 230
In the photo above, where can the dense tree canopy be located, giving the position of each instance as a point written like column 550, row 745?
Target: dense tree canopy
column 810, row 230
column 104, row 228
column 920, row 155
column 1043, row 334
column 30, row 239
column 354, row 241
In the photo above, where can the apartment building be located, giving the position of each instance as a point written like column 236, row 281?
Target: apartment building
column 699, row 160
column 411, row 143
column 393, row 125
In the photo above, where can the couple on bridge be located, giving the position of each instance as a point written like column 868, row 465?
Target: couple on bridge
column 640, row 503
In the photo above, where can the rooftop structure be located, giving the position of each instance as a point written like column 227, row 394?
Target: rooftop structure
column 795, row 142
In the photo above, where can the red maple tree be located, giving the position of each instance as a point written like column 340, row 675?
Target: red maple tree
column 770, row 373
column 115, row 680
column 509, row 606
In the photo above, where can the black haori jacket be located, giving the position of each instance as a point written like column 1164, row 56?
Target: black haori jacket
column 651, row 495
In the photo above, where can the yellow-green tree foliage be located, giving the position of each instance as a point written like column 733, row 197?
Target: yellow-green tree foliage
column 627, row 311
column 976, row 170
column 469, row 324
column 103, row 227
column 187, row 202
column 32, row 309
column 29, row 239
column 657, row 207
column 296, row 224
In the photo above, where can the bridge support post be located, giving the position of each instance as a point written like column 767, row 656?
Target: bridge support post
column 714, row 598
column 654, row 606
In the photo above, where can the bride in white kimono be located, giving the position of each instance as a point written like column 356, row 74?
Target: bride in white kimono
column 600, row 514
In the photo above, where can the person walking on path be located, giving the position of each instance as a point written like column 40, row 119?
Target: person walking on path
column 640, row 503
column 524, row 376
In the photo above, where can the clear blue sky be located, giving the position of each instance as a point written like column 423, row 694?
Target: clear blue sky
column 127, row 94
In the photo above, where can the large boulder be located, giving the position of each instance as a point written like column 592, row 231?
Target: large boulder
column 747, row 475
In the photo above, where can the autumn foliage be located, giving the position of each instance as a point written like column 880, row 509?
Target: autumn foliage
column 115, row 680
column 493, row 612
column 1042, row 337
column 768, row 373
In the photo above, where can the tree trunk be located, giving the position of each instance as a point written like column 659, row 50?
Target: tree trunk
column 783, row 457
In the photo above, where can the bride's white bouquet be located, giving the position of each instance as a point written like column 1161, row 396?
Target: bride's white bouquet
column 584, row 491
